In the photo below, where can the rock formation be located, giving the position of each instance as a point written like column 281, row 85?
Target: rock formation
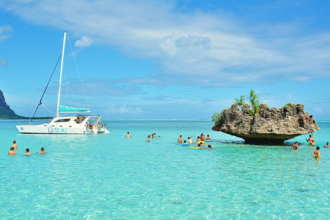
column 5, row 111
column 271, row 126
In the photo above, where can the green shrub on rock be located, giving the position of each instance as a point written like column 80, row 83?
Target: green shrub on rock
column 240, row 102
column 289, row 105
column 217, row 117
column 254, row 100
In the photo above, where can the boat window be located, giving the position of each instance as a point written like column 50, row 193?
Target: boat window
column 79, row 119
column 63, row 120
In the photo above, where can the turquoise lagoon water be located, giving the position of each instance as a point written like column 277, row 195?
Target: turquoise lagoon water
column 109, row 177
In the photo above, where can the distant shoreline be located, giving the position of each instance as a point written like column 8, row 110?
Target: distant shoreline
column 27, row 118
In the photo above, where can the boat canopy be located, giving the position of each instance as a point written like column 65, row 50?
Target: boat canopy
column 67, row 109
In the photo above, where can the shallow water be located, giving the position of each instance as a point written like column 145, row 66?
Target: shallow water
column 110, row 177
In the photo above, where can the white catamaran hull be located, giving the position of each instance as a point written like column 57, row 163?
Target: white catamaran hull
column 65, row 125
column 46, row 129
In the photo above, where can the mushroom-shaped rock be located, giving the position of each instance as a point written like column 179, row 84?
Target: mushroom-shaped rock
column 271, row 126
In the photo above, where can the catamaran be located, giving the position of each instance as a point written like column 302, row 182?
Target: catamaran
column 82, row 122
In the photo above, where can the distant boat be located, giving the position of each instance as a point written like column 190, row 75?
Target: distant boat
column 81, row 123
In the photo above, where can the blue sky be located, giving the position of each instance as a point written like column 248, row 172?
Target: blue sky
column 166, row 59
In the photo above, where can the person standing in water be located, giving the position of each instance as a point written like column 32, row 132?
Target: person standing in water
column 27, row 152
column 180, row 139
column 327, row 145
column 203, row 137
column 310, row 139
column 12, row 151
column 208, row 137
column 128, row 135
column 190, row 141
column 148, row 139
column 317, row 153
column 14, row 145
column 295, row 146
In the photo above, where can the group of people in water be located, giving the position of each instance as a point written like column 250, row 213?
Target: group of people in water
column 316, row 154
column 152, row 136
column 14, row 147
column 200, row 141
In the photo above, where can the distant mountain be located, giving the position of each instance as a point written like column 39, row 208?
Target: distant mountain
column 5, row 111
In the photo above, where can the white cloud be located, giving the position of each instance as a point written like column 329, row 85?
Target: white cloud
column 94, row 86
column 317, row 110
column 5, row 28
column 123, row 110
column 3, row 62
column 83, row 42
column 4, row 32
column 208, row 47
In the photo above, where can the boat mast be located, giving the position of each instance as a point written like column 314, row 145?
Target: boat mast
column 59, row 88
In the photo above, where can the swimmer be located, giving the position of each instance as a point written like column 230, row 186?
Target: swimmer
column 311, row 144
column 43, row 151
column 128, row 135
column 148, row 139
column 317, row 153
column 310, row 139
column 180, row 139
column 200, row 145
column 327, row 145
column 14, row 145
column 208, row 137
column 152, row 136
column 203, row 137
column 159, row 136
column 27, row 152
column 12, row 151
column 295, row 146
column 210, row 147
column 155, row 135
column 190, row 141
column 199, row 140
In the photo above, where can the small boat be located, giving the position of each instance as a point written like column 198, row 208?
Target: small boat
column 82, row 122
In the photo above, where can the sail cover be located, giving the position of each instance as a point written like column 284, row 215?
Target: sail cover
column 63, row 108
